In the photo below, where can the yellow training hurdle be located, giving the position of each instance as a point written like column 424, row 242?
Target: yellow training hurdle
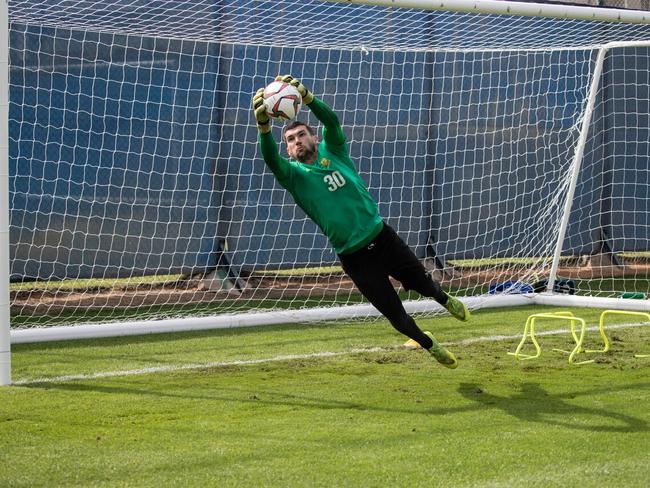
column 529, row 331
column 603, row 335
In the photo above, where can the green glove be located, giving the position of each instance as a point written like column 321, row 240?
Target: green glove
column 307, row 96
column 259, row 108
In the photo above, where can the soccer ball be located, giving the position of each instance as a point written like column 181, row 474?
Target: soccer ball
column 282, row 100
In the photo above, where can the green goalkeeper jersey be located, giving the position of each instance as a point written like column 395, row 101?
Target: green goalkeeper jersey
column 330, row 190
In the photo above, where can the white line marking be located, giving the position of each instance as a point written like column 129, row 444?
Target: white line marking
column 182, row 367
column 290, row 357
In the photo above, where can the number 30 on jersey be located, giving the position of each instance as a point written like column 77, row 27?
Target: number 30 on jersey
column 334, row 180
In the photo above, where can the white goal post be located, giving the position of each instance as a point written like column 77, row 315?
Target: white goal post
column 5, row 338
column 505, row 142
column 530, row 9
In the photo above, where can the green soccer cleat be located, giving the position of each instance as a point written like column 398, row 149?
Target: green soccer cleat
column 442, row 355
column 457, row 309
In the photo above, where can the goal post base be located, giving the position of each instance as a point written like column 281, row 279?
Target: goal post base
column 560, row 300
column 321, row 314
column 5, row 368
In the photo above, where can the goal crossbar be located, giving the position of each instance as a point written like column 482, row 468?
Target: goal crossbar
column 525, row 9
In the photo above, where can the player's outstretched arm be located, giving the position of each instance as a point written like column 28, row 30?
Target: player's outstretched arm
column 269, row 148
column 332, row 131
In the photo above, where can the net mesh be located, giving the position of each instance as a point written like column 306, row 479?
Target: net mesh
column 318, row 24
column 137, row 188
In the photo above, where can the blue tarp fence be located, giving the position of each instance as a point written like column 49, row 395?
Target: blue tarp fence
column 135, row 155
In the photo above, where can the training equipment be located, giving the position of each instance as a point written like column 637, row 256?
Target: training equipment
column 411, row 344
column 603, row 334
column 282, row 100
column 529, row 332
column 566, row 316
column 503, row 142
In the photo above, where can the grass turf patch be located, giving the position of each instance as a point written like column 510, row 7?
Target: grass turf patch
column 374, row 418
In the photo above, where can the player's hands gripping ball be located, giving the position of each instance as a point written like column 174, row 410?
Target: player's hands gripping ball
column 307, row 96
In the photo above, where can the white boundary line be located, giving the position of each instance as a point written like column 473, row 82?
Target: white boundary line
column 182, row 367
column 289, row 357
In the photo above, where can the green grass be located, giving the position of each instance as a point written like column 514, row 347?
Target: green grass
column 379, row 417
column 310, row 271
column 635, row 254
column 95, row 283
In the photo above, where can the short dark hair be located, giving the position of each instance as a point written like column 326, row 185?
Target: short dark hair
column 297, row 123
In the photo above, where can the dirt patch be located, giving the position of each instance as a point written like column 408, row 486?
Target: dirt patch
column 40, row 302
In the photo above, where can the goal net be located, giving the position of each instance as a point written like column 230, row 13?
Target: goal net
column 138, row 193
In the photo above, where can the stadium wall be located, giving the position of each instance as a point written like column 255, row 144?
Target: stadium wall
column 137, row 155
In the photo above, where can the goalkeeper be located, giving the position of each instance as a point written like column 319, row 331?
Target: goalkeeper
column 324, row 182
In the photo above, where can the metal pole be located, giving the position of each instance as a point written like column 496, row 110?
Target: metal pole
column 577, row 163
column 5, row 338
column 499, row 7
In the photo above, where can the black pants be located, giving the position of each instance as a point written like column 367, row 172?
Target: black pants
column 389, row 256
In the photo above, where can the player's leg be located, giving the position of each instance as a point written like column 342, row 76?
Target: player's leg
column 373, row 282
column 405, row 267
column 408, row 269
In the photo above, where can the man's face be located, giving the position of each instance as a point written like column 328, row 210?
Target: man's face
column 301, row 145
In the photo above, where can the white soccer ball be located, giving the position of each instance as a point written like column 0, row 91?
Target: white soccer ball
column 282, row 100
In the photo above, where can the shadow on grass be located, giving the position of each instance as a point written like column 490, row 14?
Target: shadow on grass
column 530, row 403
column 224, row 394
column 533, row 404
